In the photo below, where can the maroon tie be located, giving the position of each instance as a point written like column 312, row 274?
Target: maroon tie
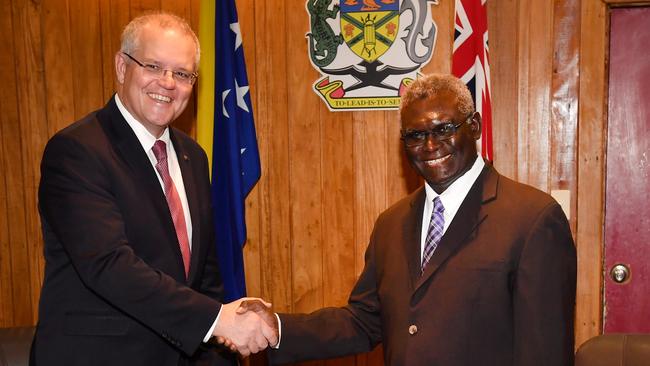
column 173, row 201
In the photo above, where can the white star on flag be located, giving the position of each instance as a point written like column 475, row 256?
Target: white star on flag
column 241, row 103
column 241, row 92
column 235, row 28
column 224, row 95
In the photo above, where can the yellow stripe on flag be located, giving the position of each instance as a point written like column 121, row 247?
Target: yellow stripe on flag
column 205, row 114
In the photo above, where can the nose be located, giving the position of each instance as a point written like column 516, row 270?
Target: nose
column 166, row 80
column 430, row 143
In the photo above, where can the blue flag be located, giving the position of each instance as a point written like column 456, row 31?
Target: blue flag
column 235, row 157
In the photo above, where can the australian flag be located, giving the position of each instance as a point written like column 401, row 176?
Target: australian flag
column 471, row 62
column 235, row 160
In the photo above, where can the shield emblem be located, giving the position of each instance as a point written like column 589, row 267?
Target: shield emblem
column 369, row 27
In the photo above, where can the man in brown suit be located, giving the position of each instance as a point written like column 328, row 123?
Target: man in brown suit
column 498, row 288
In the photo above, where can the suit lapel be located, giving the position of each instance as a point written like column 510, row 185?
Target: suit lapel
column 412, row 234
column 467, row 219
column 189, row 181
column 130, row 150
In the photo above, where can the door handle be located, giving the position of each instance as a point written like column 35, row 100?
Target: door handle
column 620, row 273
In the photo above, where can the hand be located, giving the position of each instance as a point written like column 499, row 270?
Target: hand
column 244, row 331
column 265, row 311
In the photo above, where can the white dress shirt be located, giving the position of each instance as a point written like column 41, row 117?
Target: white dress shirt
column 451, row 199
column 147, row 140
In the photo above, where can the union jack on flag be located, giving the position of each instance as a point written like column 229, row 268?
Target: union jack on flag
column 470, row 62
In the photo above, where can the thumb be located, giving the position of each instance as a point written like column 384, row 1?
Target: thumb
column 251, row 305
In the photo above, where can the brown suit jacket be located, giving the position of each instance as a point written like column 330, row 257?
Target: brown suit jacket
column 499, row 290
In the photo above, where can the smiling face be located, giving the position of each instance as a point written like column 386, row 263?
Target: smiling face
column 440, row 163
column 156, row 101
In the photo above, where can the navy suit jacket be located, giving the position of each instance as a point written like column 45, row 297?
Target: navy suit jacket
column 499, row 289
column 115, row 291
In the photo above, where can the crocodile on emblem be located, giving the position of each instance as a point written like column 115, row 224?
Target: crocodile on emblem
column 323, row 43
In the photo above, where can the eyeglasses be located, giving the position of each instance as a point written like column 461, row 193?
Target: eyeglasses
column 157, row 70
column 443, row 131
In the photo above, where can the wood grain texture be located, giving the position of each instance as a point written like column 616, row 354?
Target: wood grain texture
column 139, row 7
column 11, row 164
column 503, row 23
column 591, row 144
column 370, row 169
column 325, row 176
column 272, row 100
column 87, row 78
column 337, row 211
column 535, row 55
column 57, row 56
column 29, row 50
column 564, row 100
column 253, row 252
column 112, row 17
column 23, row 166
column 305, row 182
column 443, row 16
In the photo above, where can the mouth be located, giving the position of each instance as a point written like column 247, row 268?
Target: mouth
column 435, row 162
column 160, row 98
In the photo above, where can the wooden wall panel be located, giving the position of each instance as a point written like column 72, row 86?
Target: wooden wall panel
column 304, row 170
column 503, row 24
column 535, row 56
column 252, row 254
column 272, row 121
column 57, row 58
column 591, row 149
column 112, row 17
column 337, row 212
column 325, row 176
column 12, row 224
column 31, row 98
column 564, row 100
column 87, row 77
column 6, row 282
column 369, row 181
column 21, row 132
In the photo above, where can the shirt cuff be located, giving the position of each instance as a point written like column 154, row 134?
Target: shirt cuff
column 214, row 324
column 277, row 346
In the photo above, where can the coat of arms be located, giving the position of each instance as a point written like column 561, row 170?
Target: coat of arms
column 368, row 50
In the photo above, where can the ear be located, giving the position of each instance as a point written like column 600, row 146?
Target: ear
column 120, row 67
column 476, row 125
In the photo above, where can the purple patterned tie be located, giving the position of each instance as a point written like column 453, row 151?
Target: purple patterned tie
column 434, row 234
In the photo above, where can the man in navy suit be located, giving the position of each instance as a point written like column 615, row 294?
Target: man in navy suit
column 131, row 274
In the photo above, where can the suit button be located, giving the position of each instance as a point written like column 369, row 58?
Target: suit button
column 413, row 329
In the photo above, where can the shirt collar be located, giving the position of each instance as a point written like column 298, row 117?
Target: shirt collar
column 454, row 195
column 145, row 137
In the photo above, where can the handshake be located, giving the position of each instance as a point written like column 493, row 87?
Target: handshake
column 246, row 326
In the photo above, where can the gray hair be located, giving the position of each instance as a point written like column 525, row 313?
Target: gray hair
column 432, row 84
column 131, row 33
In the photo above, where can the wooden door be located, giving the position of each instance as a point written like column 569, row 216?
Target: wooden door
column 627, row 197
